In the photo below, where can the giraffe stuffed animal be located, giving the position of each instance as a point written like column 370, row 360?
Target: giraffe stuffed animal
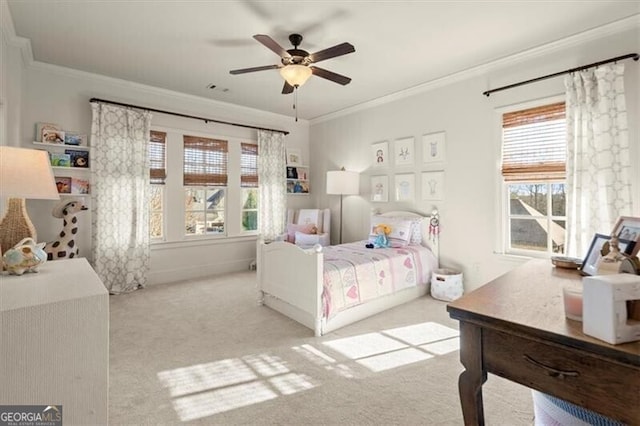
column 65, row 246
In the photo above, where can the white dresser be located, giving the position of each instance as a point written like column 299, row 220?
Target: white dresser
column 54, row 341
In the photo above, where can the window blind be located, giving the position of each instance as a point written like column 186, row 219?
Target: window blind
column 534, row 144
column 157, row 162
column 205, row 161
column 249, row 166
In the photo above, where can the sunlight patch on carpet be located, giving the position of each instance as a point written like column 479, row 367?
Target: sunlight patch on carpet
column 393, row 359
column 443, row 347
column 203, row 390
column 364, row 345
column 314, row 355
column 420, row 334
column 266, row 365
column 202, row 377
column 205, row 404
column 291, row 383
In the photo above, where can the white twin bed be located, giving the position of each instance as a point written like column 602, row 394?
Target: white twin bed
column 325, row 288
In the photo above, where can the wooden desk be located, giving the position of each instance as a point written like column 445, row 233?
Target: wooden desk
column 515, row 327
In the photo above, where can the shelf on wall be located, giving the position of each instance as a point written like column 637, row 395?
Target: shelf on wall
column 62, row 146
column 70, row 168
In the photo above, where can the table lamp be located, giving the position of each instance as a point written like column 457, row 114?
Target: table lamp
column 24, row 173
column 342, row 182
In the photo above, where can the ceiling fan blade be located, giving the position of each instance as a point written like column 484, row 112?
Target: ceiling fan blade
column 272, row 44
column 332, row 52
column 263, row 68
column 330, row 75
column 287, row 88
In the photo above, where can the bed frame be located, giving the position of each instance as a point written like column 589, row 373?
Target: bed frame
column 290, row 281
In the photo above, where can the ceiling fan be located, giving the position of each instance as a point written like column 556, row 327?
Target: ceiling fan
column 295, row 65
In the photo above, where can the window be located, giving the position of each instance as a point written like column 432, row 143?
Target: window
column 533, row 168
column 158, row 174
column 249, row 184
column 205, row 181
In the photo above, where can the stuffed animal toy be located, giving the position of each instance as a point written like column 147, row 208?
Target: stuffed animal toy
column 381, row 240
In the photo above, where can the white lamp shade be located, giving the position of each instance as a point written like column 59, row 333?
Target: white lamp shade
column 26, row 173
column 343, row 182
column 296, row 75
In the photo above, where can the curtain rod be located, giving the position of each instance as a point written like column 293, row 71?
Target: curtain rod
column 206, row 120
column 633, row 56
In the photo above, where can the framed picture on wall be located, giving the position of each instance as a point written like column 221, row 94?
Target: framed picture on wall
column 405, row 186
column 433, row 185
column 380, row 151
column 404, row 152
column 380, row 189
column 294, row 157
column 433, row 147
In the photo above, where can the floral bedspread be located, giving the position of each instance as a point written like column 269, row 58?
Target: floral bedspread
column 354, row 274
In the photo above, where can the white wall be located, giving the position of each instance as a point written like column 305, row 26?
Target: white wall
column 468, row 211
column 11, row 82
column 59, row 95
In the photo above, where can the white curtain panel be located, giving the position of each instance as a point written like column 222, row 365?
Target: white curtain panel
column 598, row 157
column 272, row 178
column 120, row 196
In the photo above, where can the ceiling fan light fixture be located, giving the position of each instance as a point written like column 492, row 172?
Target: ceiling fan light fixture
column 295, row 74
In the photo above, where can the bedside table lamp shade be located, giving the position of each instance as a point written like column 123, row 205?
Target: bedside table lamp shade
column 342, row 182
column 24, row 173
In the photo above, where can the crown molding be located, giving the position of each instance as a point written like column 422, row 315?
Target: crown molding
column 24, row 44
column 153, row 90
column 616, row 27
column 9, row 33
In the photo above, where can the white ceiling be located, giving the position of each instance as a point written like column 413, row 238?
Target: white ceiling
column 187, row 45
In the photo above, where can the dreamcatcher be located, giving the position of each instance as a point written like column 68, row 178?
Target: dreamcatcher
column 434, row 225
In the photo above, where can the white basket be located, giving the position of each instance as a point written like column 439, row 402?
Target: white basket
column 446, row 284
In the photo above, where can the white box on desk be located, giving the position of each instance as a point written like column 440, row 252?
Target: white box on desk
column 604, row 307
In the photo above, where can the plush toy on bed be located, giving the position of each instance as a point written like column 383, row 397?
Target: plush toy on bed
column 381, row 240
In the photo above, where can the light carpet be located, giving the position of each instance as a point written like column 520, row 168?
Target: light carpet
column 203, row 352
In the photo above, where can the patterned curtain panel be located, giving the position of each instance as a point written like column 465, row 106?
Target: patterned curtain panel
column 272, row 178
column 120, row 196
column 598, row 157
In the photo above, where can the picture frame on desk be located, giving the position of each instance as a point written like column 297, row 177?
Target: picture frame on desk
column 628, row 228
column 594, row 255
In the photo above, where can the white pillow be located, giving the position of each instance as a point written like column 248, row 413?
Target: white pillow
column 306, row 240
column 416, row 225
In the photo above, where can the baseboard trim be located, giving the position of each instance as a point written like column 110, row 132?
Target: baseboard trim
column 197, row 271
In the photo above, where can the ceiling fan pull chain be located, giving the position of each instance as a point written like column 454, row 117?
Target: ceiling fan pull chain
column 295, row 100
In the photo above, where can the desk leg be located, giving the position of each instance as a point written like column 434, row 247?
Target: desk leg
column 471, row 379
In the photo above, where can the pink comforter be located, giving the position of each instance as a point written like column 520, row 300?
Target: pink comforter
column 354, row 274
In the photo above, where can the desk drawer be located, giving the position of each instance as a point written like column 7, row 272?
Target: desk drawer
column 606, row 387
